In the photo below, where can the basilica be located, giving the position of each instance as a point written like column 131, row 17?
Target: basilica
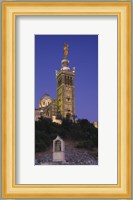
column 64, row 104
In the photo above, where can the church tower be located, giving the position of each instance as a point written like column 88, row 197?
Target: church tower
column 65, row 88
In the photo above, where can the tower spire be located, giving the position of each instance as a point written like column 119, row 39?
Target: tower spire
column 65, row 87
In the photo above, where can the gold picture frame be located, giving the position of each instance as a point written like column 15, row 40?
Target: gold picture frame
column 123, row 12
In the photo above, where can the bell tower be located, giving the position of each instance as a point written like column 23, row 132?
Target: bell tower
column 65, row 88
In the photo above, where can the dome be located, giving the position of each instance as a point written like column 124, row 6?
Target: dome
column 46, row 95
column 65, row 64
column 45, row 100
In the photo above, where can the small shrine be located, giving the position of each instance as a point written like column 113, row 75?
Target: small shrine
column 58, row 150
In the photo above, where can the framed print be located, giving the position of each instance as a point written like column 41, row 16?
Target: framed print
column 66, row 100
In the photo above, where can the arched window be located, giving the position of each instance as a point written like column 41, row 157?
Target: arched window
column 71, row 81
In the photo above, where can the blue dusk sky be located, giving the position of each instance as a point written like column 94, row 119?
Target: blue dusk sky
column 83, row 55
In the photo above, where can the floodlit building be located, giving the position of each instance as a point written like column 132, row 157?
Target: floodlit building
column 64, row 105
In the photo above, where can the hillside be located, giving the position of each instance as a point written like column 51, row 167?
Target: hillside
column 81, row 141
column 73, row 156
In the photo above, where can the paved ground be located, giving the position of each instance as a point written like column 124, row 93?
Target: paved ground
column 73, row 156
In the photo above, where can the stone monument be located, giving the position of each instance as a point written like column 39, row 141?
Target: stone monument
column 58, row 150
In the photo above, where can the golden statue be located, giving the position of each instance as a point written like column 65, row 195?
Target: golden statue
column 65, row 50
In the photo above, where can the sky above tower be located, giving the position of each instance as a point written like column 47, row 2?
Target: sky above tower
column 83, row 55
